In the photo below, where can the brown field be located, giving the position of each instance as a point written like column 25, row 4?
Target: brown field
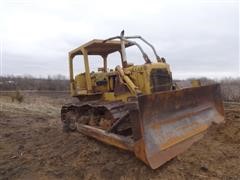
column 33, row 146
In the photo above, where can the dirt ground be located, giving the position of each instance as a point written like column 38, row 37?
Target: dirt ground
column 33, row 146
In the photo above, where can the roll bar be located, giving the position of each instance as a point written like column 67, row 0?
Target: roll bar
column 126, row 39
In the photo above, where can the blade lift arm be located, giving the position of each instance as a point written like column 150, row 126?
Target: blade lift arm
column 128, row 82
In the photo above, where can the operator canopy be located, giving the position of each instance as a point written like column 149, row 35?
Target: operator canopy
column 99, row 47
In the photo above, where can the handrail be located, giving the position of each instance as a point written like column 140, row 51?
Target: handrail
column 149, row 44
column 122, row 38
column 126, row 39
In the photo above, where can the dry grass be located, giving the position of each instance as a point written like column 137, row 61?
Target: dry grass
column 230, row 89
column 40, row 106
column 33, row 146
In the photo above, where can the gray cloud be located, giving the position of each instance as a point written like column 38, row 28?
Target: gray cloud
column 199, row 38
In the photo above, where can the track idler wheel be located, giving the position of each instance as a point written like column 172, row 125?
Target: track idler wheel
column 69, row 122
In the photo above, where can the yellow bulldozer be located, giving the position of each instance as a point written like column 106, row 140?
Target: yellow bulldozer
column 138, row 107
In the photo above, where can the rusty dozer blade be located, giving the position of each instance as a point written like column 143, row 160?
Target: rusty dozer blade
column 165, row 124
column 170, row 122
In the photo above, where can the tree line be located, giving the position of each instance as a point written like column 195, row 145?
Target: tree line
column 51, row 83
column 230, row 87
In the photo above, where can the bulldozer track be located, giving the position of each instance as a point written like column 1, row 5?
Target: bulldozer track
column 118, row 111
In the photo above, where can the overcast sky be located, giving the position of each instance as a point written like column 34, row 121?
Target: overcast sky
column 197, row 38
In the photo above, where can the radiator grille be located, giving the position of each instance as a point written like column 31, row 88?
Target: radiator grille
column 161, row 80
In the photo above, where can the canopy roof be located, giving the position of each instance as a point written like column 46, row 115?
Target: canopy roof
column 99, row 47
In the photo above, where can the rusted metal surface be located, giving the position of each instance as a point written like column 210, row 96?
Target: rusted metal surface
column 109, row 138
column 172, row 121
column 118, row 121
column 116, row 107
column 163, row 124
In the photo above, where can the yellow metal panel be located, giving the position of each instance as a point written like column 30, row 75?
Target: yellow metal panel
column 110, row 96
column 72, row 84
column 87, row 71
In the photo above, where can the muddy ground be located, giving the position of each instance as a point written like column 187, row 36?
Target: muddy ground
column 33, row 146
